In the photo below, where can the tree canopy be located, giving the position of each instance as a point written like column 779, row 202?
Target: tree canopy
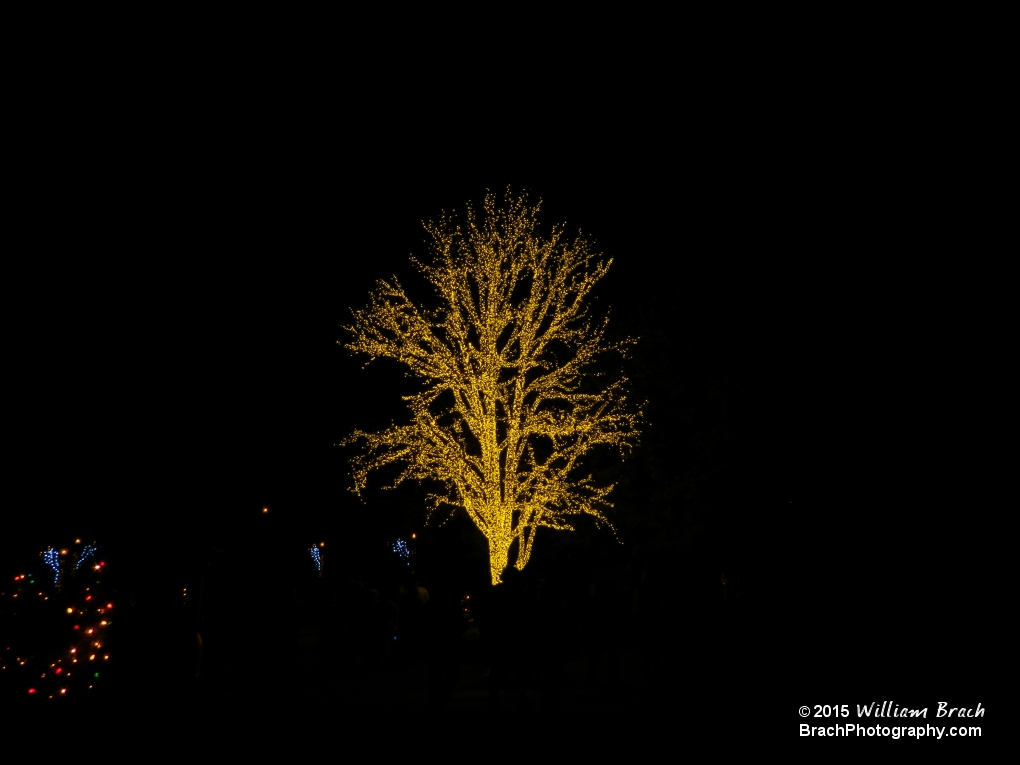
column 513, row 401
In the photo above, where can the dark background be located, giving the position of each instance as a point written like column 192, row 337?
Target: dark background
column 811, row 275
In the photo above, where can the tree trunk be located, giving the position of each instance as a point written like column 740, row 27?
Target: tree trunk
column 498, row 554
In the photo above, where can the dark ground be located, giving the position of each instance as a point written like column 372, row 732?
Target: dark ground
column 611, row 660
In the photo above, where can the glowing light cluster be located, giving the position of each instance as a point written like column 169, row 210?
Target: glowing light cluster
column 510, row 408
column 86, row 552
column 316, row 557
column 67, row 629
column 402, row 550
column 52, row 559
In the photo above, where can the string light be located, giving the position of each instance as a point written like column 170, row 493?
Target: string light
column 52, row 559
column 316, row 557
column 509, row 409
column 402, row 550
column 85, row 553
column 83, row 621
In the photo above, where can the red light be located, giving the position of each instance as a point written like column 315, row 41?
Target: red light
column 102, row 563
column 31, row 690
column 58, row 670
column 109, row 605
column 76, row 626
column 88, row 598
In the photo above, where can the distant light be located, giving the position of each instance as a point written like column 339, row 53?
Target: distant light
column 265, row 510
column 403, row 552
column 87, row 552
column 52, row 559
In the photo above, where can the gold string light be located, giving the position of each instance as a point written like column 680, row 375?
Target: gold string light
column 510, row 407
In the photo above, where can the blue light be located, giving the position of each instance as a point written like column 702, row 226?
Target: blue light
column 85, row 553
column 52, row 559
column 402, row 550
column 316, row 557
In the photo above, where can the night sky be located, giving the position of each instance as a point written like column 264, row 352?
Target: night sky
column 177, row 288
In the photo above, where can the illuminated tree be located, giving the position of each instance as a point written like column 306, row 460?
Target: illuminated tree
column 511, row 405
